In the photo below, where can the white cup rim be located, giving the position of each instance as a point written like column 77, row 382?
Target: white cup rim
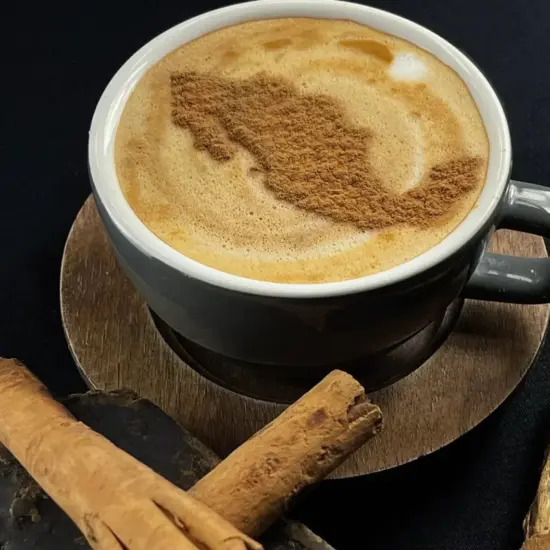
column 113, row 99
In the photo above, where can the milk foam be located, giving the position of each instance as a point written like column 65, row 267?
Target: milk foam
column 419, row 112
column 407, row 66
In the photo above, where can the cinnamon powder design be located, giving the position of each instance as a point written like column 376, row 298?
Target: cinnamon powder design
column 309, row 151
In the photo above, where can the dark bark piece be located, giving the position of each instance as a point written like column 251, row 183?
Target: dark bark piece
column 29, row 519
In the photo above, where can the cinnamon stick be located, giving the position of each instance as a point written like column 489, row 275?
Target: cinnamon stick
column 254, row 484
column 537, row 522
column 115, row 500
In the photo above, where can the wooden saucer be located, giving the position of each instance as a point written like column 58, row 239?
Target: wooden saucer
column 116, row 344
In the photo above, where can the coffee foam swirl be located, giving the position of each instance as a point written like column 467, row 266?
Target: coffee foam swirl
column 223, row 215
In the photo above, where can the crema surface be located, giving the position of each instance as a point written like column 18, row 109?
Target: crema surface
column 222, row 209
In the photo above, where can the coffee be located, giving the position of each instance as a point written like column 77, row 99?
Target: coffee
column 301, row 150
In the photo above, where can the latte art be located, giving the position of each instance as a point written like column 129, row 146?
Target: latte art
column 301, row 150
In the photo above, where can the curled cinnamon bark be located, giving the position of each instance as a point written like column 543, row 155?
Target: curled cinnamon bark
column 253, row 485
column 115, row 500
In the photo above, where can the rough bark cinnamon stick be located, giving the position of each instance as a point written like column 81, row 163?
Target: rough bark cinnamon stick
column 537, row 522
column 253, row 485
column 115, row 500
column 29, row 520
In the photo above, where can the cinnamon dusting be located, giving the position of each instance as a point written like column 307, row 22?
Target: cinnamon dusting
column 309, row 151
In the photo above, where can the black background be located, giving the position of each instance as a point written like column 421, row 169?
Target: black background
column 56, row 60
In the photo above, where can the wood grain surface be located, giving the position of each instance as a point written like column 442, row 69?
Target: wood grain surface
column 115, row 344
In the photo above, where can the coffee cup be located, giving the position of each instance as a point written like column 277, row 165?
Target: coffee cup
column 319, row 326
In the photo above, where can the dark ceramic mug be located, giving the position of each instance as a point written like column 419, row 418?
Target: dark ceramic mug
column 319, row 325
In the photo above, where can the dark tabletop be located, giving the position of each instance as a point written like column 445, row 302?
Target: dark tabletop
column 56, row 60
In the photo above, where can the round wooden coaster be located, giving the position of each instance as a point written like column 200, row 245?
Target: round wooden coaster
column 116, row 344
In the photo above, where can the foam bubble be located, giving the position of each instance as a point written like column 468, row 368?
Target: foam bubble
column 407, row 66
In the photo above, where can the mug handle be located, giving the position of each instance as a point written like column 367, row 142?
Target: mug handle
column 512, row 279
